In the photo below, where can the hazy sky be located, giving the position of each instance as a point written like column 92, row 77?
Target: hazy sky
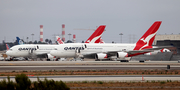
column 130, row 17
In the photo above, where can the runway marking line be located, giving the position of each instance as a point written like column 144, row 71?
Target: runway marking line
column 11, row 64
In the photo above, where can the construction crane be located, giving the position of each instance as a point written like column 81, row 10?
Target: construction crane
column 87, row 29
column 84, row 29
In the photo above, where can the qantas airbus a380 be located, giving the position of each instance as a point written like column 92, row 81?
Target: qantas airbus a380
column 105, row 51
column 43, row 50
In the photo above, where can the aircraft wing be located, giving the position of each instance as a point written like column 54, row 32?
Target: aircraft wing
column 113, row 53
column 41, row 55
column 129, row 53
column 91, row 55
column 158, row 47
column 139, row 52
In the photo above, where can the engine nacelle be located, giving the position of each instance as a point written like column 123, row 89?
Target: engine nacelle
column 49, row 56
column 101, row 56
column 165, row 50
column 122, row 54
column 155, row 52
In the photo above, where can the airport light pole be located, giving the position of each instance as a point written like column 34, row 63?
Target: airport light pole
column 69, row 35
column 27, row 39
column 121, row 37
column 32, row 37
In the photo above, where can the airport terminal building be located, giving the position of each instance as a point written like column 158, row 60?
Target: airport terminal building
column 166, row 37
column 164, row 40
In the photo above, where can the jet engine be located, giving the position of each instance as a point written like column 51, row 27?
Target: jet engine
column 49, row 56
column 122, row 54
column 101, row 56
column 165, row 50
column 155, row 52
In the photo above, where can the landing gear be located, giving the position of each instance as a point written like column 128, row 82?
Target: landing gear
column 97, row 60
column 142, row 61
column 124, row 60
column 57, row 59
column 11, row 59
column 26, row 59
column 48, row 59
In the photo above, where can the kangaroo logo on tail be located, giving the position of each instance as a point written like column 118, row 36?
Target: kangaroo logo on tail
column 19, row 41
column 96, row 36
column 101, row 41
column 147, row 39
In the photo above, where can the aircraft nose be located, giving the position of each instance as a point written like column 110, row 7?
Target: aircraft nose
column 8, row 53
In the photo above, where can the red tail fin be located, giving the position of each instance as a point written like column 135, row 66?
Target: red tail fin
column 147, row 39
column 7, row 47
column 59, row 40
column 101, row 41
column 96, row 36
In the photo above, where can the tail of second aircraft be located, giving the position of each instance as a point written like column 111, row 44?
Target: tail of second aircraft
column 147, row 39
column 7, row 47
column 96, row 36
column 59, row 40
column 19, row 41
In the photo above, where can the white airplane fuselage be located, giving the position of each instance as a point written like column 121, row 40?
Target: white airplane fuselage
column 69, row 50
column 25, row 50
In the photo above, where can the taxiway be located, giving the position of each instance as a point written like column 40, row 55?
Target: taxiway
column 121, row 78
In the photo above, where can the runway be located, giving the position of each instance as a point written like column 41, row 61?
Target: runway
column 88, row 67
column 85, row 65
column 121, row 78
column 61, row 63
column 9, row 66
